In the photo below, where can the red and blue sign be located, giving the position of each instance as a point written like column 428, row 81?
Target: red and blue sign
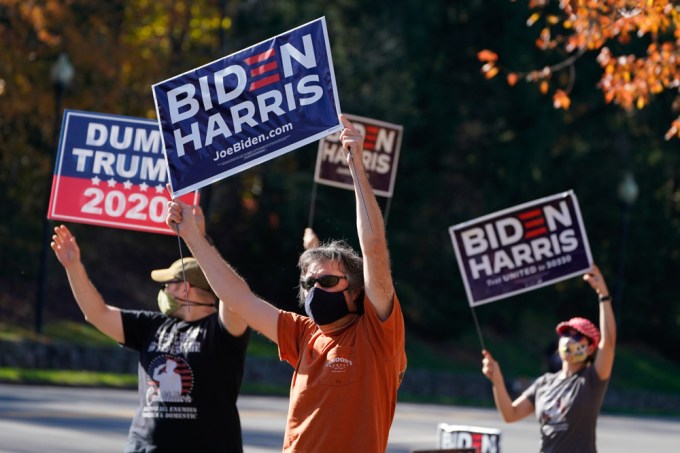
column 248, row 108
column 110, row 171
column 521, row 248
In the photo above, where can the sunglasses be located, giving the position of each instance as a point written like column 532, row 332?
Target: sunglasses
column 166, row 284
column 326, row 281
column 576, row 336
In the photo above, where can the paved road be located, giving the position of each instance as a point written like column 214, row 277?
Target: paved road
column 72, row 420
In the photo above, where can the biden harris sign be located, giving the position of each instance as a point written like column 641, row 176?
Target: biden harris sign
column 247, row 108
column 521, row 248
column 382, row 142
column 110, row 171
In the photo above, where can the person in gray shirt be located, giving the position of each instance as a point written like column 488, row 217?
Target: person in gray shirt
column 567, row 402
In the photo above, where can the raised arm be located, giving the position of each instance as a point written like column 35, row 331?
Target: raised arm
column 370, row 226
column 234, row 324
column 230, row 287
column 511, row 411
column 310, row 240
column 604, row 361
column 104, row 317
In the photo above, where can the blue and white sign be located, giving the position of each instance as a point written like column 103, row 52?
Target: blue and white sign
column 521, row 248
column 248, row 108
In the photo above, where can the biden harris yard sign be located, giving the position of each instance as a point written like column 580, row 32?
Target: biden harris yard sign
column 462, row 437
column 521, row 248
column 382, row 142
column 248, row 107
column 110, row 171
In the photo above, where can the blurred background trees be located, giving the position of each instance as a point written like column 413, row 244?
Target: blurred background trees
column 471, row 146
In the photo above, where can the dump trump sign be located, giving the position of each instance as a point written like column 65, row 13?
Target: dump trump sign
column 382, row 142
column 249, row 107
column 521, row 248
column 110, row 171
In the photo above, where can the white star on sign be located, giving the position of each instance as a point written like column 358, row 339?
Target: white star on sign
column 143, row 186
column 96, row 181
column 111, row 182
column 127, row 184
column 159, row 188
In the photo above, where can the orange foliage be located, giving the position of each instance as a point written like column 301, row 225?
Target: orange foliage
column 491, row 72
column 487, row 55
column 561, row 100
column 588, row 25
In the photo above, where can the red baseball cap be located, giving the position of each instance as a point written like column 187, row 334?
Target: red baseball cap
column 581, row 325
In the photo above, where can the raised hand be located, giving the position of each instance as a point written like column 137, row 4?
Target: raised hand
column 65, row 246
column 352, row 140
column 596, row 281
column 490, row 367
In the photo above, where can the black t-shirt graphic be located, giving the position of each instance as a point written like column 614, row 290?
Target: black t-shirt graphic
column 190, row 376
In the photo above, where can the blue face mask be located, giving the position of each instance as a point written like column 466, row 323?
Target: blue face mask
column 324, row 307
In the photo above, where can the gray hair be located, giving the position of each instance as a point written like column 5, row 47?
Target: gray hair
column 339, row 252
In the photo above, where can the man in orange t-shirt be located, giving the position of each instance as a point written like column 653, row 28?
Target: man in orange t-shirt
column 349, row 354
column 348, row 369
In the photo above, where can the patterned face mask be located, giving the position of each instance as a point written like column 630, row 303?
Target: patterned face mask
column 573, row 350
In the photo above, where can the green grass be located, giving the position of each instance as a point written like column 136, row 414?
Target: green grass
column 60, row 331
column 464, row 355
column 77, row 332
column 67, row 377
column 9, row 332
column 261, row 346
column 635, row 367
column 638, row 368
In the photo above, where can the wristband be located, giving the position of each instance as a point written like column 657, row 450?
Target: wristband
column 606, row 298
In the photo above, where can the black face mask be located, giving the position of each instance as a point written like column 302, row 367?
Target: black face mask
column 325, row 307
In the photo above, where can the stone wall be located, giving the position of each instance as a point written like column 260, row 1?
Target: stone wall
column 60, row 356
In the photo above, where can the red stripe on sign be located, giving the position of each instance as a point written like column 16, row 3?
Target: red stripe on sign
column 260, row 57
column 530, row 214
column 477, row 441
column 83, row 200
column 264, row 68
column 536, row 232
column 264, row 82
column 534, row 223
column 70, row 197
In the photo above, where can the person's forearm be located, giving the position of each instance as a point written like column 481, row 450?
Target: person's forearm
column 92, row 304
column 370, row 223
column 607, row 324
column 502, row 400
column 604, row 359
column 371, row 230
column 88, row 298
